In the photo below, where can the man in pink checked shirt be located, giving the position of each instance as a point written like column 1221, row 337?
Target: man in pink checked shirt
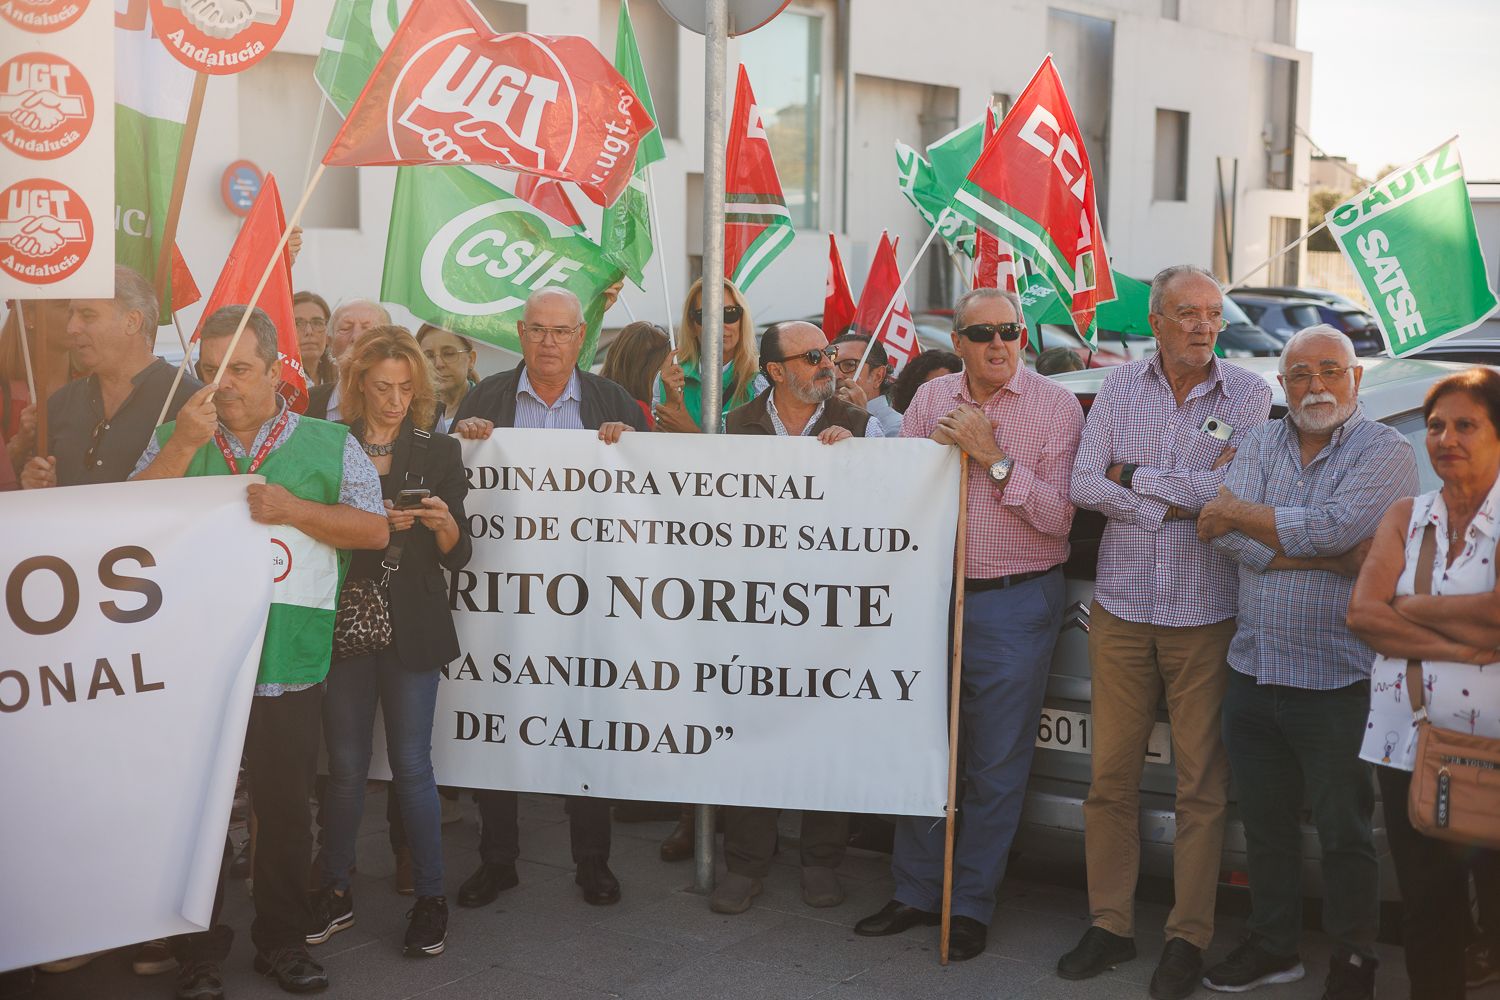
column 1159, row 436
column 1020, row 432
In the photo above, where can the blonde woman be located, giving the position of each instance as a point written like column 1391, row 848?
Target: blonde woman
column 679, row 401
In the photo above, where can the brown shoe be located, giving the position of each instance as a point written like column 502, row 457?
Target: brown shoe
column 406, row 884
column 679, row 843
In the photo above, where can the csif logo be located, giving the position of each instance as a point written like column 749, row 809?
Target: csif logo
column 510, row 94
column 487, row 259
column 46, row 106
column 385, row 17
column 45, row 231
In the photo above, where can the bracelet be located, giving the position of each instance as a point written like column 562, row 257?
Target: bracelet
column 1127, row 474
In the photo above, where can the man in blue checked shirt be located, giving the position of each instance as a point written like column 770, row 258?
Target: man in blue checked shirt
column 1302, row 498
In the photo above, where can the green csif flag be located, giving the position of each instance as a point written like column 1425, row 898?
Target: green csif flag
column 918, row 181
column 358, row 32
column 1411, row 240
column 625, row 233
column 464, row 254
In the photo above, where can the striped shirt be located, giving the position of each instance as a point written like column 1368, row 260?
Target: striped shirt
column 872, row 426
column 564, row 414
column 1292, row 627
column 1023, row 527
column 1152, row 570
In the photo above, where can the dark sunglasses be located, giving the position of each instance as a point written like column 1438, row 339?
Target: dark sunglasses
column 983, row 333
column 813, row 357
column 732, row 314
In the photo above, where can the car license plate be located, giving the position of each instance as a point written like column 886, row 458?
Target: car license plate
column 1074, row 732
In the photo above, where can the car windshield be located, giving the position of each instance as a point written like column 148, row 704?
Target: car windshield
column 1302, row 315
column 1233, row 313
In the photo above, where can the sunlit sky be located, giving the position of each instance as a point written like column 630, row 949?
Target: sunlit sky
column 1393, row 78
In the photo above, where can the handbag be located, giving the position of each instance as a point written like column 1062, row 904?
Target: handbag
column 1455, row 781
column 362, row 624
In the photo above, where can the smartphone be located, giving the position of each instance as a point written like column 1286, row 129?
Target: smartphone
column 407, row 499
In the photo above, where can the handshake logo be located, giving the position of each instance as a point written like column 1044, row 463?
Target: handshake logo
column 223, row 19
column 45, row 231
column 46, row 106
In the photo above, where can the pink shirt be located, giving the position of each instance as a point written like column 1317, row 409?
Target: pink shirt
column 1024, row 527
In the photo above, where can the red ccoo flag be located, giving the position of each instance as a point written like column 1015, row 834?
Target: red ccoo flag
column 450, row 90
column 184, row 289
column 838, row 300
column 899, row 334
column 550, row 196
column 757, row 225
column 242, row 270
column 994, row 261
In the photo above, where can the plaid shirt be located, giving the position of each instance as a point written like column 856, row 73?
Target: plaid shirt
column 1152, row 570
column 1292, row 627
column 1023, row 527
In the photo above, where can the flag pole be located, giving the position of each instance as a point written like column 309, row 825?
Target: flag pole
column 161, row 417
column 661, row 263
column 179, row 185
column 900, row 288
column 312, row 152
column 38, row 405
column 955, row 677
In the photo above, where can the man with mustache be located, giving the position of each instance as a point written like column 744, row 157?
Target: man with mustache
column 1297, row 509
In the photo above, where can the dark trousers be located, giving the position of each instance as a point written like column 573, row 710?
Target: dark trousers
column 1434, row 880
column 1289, row 747
column 500, row 837
column 750, row 839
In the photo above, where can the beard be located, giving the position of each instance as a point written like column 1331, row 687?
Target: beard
column 1324, row 418
column 812, row 390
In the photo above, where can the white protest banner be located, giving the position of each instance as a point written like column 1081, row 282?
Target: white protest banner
column 741, row 620
column 57, row 149
column 128, row 655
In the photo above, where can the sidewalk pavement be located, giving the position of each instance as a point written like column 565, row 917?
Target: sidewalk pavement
column 540, row 941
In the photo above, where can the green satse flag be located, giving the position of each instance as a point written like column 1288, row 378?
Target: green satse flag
column 1412, row 243
column 625, row 232
column 918, row 182
column 463, row 254
column 1124, row 316
column 358, row 32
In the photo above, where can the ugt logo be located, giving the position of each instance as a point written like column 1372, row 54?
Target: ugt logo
column 46, row 106
column 45, row 231
column 464, row 99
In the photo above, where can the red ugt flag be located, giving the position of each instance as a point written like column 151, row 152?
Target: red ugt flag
column 450, row 90
column 242, row 270
column 1032, row 187
column 184, row 289
column 899, row 333
column 549, row 196
column 838, row 300
column 757, row 225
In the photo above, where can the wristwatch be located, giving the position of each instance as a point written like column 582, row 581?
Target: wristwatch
column 1127, row 474
column 1000, row 471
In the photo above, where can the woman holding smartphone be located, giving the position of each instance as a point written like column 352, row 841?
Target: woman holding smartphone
column 388, row 397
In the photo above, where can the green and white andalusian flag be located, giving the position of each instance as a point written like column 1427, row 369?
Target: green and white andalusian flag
column 918, row 181
column 1411, row 240
column 358, row 32
column 463, row 254
column 152, row 91
column 625, row 233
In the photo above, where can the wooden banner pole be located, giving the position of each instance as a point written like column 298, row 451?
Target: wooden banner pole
column 955, row 677
column 179, row 185
column 39, row 405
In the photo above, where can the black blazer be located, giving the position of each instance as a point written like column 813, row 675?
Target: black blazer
column 421, row 618
column 602, row 400
column 317, row 400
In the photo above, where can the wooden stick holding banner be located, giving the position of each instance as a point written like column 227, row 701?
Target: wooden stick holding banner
column 661, row 262
column 900, row 290
column 39, row 406
column 955, row 678
column 179, row 184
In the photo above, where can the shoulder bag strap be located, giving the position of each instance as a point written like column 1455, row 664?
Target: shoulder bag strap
column 416, row 467
column 1426, row 555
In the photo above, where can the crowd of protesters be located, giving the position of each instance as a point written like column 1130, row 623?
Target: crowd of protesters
column 1255, row 574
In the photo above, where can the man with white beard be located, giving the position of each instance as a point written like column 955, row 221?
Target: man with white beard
column 1297, row 509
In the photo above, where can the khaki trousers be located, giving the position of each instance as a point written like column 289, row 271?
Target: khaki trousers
column 1131, row 664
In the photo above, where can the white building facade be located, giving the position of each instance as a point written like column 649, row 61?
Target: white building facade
column 1192, row 110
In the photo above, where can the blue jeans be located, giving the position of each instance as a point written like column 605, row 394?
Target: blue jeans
column 407, row 699
column 1008, row 640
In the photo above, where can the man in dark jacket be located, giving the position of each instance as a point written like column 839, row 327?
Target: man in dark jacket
column 547, row 390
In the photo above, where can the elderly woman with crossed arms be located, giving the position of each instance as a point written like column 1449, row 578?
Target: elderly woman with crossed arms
column 1454, row 631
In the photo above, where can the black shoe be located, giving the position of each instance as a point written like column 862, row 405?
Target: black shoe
column 966, row 938
column 428, row 930
column 294, row 969
column 489, row 881
column 1249, row 966
column 895, row 917
column 679, row 843
column 331, row 913
column 1350, row 977
column 1178, row 973
column 1097, row 951
column 600, row 887
column 200, row 981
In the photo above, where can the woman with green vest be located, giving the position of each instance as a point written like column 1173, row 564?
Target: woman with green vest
column 389, row 398
column 679, row 400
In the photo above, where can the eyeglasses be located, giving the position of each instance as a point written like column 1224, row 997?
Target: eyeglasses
column 732, row 314
column 315, row 323
column 813, row 357
column 1328, row 375
column 983, row 333
column 848, row 366
column 556, row 334
column 447, row 355
column 1192, row 324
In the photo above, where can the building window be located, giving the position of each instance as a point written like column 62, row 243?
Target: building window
column 656, row 35
column 279, row 103
column 1281, row 119
column 1171, row 156
column 785, row 63
column 1171, row 10
column 1001, row 103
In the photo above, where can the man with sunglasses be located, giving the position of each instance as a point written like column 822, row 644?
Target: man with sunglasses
column 547, row 390
column 1297, row 510
column 1160, row 434
column 864, row 385
column 1019, row 431
column 98, row 426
